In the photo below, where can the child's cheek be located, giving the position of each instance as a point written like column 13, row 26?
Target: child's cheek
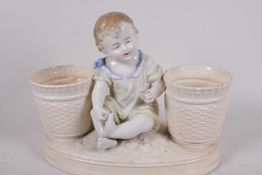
column 131, row 46
column 116, row 53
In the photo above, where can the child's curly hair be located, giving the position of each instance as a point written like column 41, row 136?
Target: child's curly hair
column 109, row 24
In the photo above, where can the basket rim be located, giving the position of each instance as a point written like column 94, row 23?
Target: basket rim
column 84, row 80
column 209, row 68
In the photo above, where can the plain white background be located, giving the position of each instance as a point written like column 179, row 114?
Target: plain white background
column 36, row 34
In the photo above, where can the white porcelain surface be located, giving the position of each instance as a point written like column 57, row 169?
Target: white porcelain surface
column 61, row 95
column 196, row 103
column 145, row 155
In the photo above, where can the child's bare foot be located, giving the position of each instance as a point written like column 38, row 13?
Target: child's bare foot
column 110, row 125
column 105, row 143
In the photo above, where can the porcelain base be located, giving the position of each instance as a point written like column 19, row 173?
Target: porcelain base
column 151, row 154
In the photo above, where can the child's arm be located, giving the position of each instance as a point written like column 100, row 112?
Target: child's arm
column 155, row 79
column 99, row 93
column 156, row 89
column 98, row 97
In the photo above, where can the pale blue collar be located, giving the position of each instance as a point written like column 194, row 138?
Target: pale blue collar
column 101, row 66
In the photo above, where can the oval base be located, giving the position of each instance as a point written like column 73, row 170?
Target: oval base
column 151, row 154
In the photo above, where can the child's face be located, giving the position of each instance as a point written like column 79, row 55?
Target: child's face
column 122, row 47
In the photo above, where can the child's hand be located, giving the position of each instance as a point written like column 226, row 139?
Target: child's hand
column 147, row 96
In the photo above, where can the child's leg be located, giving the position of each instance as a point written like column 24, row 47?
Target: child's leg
column 102, row 142
column 129, row 129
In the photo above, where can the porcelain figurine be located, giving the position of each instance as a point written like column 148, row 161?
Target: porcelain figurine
column 118, row 98
column 127, row 83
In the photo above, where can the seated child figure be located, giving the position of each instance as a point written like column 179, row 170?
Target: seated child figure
column 127, row 83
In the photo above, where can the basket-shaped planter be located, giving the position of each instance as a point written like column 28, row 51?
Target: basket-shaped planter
column 63, row 101
column 196, row 102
